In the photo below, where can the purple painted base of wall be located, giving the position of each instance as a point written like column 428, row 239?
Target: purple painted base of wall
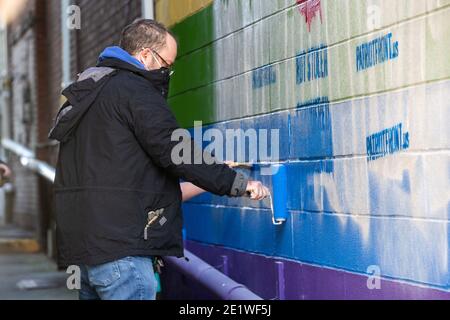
column 264, row 276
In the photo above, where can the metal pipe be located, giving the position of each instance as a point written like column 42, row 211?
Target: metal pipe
column 29, row 161
column 212, row 279
column 148, row 9
column 17, row 149
column 5, row 83
column 281, row 287
column 65, row 32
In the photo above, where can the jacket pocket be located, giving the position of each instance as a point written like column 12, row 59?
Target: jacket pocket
column 159, row 220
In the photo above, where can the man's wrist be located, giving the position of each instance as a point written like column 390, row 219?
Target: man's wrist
column 240, row 184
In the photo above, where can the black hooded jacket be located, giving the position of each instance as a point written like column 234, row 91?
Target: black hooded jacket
column 115, row 168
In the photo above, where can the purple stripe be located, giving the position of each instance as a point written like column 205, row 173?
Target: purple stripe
column 301, row 281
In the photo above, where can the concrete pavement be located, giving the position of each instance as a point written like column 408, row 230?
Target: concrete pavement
column 35, row 271
column 26, row 274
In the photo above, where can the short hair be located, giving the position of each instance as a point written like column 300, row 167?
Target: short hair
column 143, row 33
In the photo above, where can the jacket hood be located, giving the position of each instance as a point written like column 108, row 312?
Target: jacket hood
column 120, row 54
column 80, row 97
column 83, row 93
column 159, row 78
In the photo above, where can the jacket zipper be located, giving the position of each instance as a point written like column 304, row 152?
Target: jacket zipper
column 152, row 217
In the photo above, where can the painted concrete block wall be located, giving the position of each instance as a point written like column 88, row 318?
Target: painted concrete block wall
column 359, row 90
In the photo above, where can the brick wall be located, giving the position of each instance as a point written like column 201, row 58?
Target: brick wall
column 35, row 44
column 102, row 22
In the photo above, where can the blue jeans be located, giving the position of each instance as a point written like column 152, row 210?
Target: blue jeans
column 131, row 278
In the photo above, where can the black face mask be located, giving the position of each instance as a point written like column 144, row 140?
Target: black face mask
column 161, row 79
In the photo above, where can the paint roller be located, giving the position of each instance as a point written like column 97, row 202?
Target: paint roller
column 278, row 196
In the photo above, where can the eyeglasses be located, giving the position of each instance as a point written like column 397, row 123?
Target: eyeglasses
column 166, row 64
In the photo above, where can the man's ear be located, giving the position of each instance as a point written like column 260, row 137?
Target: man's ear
column 139, row 55
column 145, row 55
column 142, row 59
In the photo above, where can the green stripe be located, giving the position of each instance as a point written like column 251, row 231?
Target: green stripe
column 195, row 105
column 194, row 68
column 195, row 31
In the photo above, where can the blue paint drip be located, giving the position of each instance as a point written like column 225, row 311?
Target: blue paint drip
column 312, row 130
column 314, row 102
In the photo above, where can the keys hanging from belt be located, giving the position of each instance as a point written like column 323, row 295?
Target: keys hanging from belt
column 158, row 264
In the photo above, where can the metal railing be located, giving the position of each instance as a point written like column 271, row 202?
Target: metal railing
column 28, row 160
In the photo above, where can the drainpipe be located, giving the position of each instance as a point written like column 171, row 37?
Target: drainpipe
column 5, row 82
column 212, row 279
column 65, row 32
column 148, row 9
column 6, row 194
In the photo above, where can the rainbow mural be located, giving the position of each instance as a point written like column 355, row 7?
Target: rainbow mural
column 360, row 93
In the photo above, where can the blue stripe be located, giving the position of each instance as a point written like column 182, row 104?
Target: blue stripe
column 403, row 248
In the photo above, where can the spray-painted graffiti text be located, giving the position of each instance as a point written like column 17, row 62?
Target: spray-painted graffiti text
column 386, row 142
column 312, row 64
column 264, row 76
column 375, row 52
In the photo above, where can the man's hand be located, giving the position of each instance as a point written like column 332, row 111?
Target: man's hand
column 5, row 171
column 257, row 191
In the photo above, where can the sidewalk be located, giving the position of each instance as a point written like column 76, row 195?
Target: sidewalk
column 14, row 240
column 26, row 274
